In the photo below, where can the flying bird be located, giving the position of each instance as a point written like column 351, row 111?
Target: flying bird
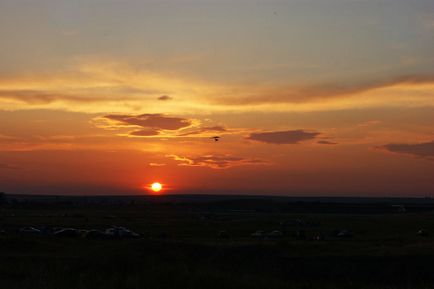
column 215, row 138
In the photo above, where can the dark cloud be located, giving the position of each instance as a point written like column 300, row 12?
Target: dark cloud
column 420, row 149
column 283, row 137
column 205, row 129
column 146, row 124
column 326, row 142
column 144, row 132
column 152, row 121
column 215, row 161
column 165, row 97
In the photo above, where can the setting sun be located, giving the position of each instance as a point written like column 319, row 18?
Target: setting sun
column 156, row 187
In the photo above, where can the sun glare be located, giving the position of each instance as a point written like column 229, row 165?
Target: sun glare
column 156, row 187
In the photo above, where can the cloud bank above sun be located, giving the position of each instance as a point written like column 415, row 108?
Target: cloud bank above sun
column 117, row 87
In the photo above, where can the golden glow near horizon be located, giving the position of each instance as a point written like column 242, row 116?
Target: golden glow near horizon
column 131, row 90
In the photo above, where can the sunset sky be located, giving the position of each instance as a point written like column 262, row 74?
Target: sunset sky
column 309, row 97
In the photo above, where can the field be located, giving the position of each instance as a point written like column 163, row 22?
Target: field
column 206, row 242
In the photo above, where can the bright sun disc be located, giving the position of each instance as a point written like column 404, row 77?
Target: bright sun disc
column 156, row 187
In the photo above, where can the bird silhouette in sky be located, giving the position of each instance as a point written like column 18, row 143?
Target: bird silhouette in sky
column 215, row 138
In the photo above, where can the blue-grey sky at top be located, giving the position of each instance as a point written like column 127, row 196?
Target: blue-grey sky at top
column 286, row 41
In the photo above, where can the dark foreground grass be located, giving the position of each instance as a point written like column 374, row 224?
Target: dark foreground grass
column 161, row 264
column 384, row 252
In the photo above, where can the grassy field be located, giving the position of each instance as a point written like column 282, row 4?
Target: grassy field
column 180, row 246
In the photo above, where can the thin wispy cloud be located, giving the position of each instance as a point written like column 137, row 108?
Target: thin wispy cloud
column 157, row 164
column 323, row 92
column 114, row 86
column 205, row 130
column 215, row 161
column 326, row 142
column 283, row 137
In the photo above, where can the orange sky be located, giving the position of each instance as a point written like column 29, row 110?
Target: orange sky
column 309, row 98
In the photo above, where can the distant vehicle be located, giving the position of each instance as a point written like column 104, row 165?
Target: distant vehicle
column 423, row 233
column 30, row 231
column 215, row 138
column 275, row 234
column 258, row 234
column 121, row 232
column 344, row 234
column 67, row 232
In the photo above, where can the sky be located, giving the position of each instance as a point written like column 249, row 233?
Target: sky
column 308, row 97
